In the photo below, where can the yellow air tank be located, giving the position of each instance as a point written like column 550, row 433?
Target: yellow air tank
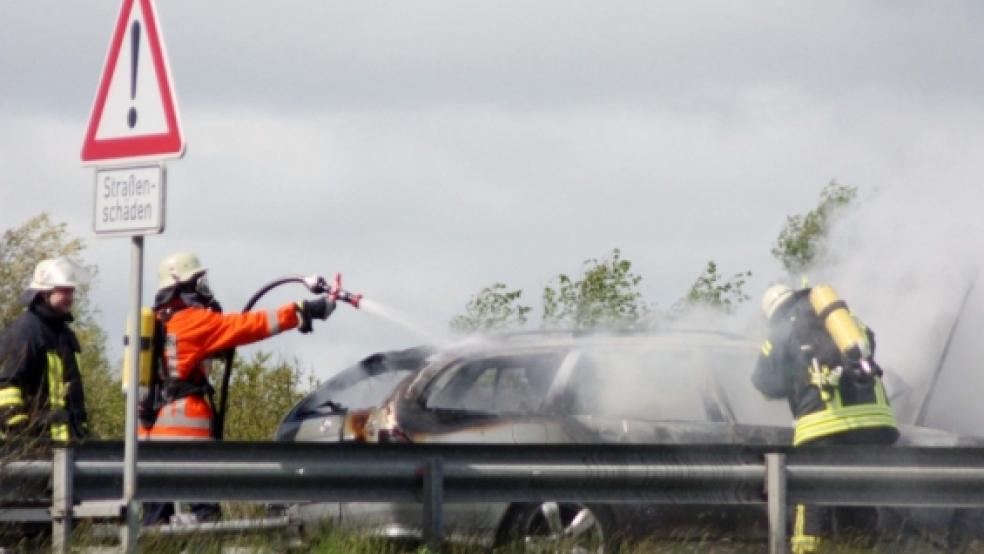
column 841, row 325
column 146, row 347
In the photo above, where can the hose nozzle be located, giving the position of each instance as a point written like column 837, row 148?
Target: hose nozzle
column 337, row 294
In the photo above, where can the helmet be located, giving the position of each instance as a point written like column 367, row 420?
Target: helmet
column 774, row 297
column 179, row 267
column 56, row 273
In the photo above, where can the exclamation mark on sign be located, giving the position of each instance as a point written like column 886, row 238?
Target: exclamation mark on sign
column 131, row 116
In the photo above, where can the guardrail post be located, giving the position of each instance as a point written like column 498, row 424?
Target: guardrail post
column 775, row 490
column 433, row 499
column 62, row 497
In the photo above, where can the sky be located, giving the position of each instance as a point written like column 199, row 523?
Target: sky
column 426, row 150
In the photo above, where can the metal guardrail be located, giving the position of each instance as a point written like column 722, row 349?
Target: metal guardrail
column 87, row 480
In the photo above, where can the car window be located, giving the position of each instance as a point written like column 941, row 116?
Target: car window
column 514, row 384
column 637, row 382
column 369, row 392
column 364, row 385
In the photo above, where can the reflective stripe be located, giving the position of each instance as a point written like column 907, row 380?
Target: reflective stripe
column 16, row 420
column 171, row 355
column 838, row 419
column 273, row 322
column 800, row 542
column 59, row 432
column 56, row 381
column 162, row 432
column 767, row 349
column 188, row 418
column 11, row 396
column 56, row 394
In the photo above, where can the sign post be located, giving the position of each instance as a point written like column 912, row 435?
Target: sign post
column 134, row 126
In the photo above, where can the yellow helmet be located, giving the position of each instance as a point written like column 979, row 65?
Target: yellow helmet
column 774, row 297
column 179, row 267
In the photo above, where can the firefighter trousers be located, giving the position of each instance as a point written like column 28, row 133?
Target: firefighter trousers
column 184, row 419
column 812, row 523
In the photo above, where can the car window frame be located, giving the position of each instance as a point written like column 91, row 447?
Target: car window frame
column 499, row 361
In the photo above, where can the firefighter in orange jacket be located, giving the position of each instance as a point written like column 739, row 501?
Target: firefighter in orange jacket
column 194, row 331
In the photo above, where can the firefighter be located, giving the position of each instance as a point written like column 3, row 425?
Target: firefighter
column 194, row 331
column 41, row 392
column 821, row 360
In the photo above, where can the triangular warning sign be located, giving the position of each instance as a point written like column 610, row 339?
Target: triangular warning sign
column 135, row 114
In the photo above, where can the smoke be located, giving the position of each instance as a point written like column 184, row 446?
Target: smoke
column 904, row 258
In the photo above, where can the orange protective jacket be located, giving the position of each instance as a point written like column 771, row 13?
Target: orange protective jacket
column 192, row 335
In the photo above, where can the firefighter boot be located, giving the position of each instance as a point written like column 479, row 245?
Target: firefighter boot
column 802, row 543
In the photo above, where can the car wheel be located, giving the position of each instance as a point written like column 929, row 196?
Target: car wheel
column 560, row 527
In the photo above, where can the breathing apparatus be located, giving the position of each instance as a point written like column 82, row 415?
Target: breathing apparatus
column 844, row 329
column 145, row 344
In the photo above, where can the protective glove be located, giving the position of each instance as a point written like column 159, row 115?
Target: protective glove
column 309, row 310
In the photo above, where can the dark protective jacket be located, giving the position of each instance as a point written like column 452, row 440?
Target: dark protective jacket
column 40, row 383
column 801, row 363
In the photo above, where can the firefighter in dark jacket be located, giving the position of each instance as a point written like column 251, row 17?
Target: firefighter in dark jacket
column 821, row 360
column 41, row 392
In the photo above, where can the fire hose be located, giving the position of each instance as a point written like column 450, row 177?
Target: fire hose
column 316, row 285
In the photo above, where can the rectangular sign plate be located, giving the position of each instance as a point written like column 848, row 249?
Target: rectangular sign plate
column 129, row 201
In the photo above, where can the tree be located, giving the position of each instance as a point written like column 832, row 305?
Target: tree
column 21, row 249
column 606, row 296
column 493, row 308
column 709, row 289
column 260, row 393
column 802, row 240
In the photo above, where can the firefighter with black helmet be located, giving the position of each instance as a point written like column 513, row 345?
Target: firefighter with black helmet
column 820, row 358
column 41, row 393
column 193, row 331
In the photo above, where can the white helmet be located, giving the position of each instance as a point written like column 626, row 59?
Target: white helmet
column 774, row 297
column 56, row 273
column 179, row 267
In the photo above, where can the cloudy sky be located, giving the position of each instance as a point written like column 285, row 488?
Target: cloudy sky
column 427, row 149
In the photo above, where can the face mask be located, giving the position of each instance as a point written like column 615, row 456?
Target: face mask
column 202, row 288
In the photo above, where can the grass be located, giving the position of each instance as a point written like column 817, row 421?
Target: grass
column 331, row 540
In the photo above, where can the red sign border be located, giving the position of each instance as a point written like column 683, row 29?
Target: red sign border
column 157, row 146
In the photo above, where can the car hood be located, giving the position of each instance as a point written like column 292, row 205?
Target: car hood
column 323, row 400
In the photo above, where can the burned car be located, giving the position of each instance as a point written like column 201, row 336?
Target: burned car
column 665, row 388
column 337, row 410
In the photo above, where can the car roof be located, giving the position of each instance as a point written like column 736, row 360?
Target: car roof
column 537, row 340
column 532, row 342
